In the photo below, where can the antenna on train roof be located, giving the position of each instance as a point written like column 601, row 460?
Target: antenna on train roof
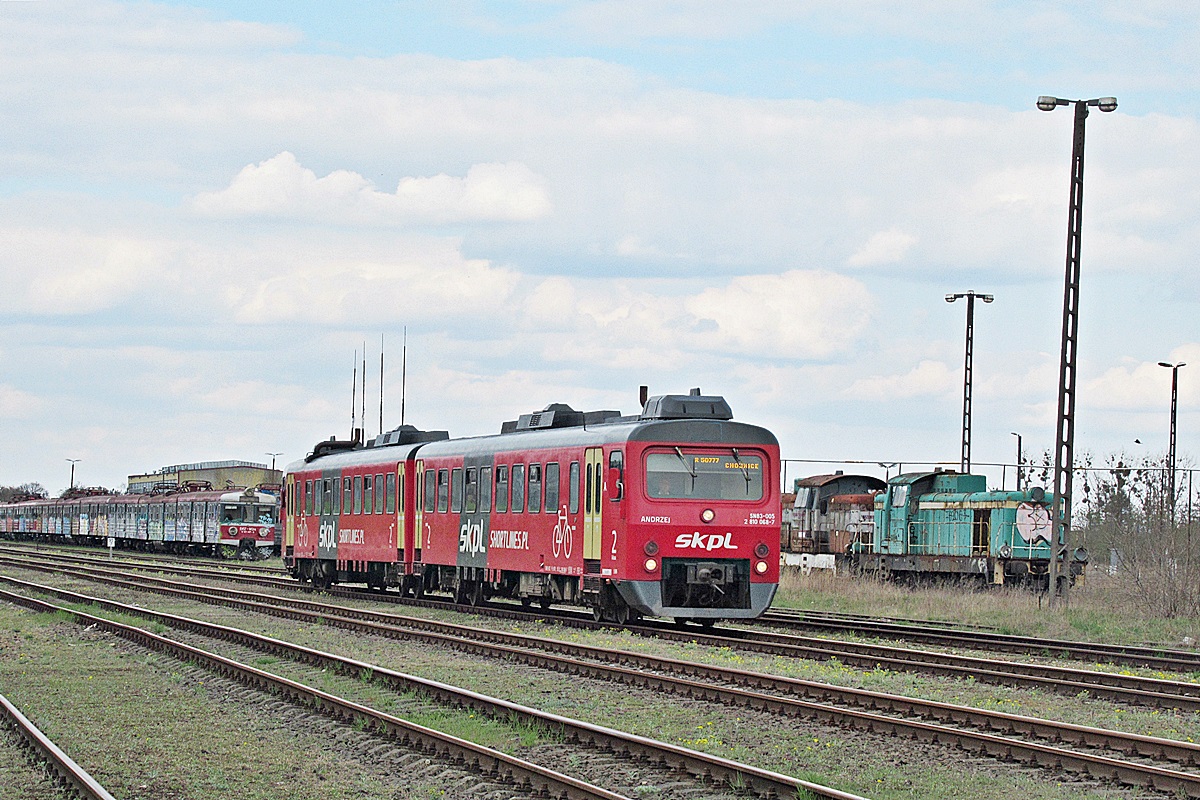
column 364, row 391
column 381, row 382
column 403, row 372
column 354, row 396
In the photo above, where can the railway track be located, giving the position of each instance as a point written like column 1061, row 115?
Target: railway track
column 1163, row 659
column 741, row 688
column 69, row 776
column 1131, row 689
column 980, row 639
column 702, row 766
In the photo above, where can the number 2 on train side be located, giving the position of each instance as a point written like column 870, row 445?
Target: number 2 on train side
column 614, row 550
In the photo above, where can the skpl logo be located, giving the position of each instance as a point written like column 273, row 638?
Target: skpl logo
column 470, row 538
column 327, row 535
column 701, row 541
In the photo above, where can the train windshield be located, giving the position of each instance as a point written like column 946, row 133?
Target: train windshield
column 264, row 515
column 693, row 475
column 231, row 512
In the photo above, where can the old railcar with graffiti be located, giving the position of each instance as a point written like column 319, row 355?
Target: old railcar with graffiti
column 948, row 523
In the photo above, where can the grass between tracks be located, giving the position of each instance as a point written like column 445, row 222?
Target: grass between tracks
column 1101, row 609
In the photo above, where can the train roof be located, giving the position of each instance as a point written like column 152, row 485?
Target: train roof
column 668, row 418
column 824, row 480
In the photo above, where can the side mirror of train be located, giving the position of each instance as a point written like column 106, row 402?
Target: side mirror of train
column 615, row 475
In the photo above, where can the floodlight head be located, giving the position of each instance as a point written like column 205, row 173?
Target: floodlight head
column 1165, row 364
column 1047, row 103
column 1107, row 104
column 950, row 298
column 987, row 298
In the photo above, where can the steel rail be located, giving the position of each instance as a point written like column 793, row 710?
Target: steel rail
column 785, row 615
column 533, row 651
column 71, row 776
column 764, row 783
column 1133, row 655
column 1136, row 690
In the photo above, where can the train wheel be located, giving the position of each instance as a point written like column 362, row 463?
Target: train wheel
column 476, row 594
column 597, row 612
column 545, row 603
column 706, row 622
column 621, row 613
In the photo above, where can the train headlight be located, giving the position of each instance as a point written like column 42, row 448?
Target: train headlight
column 708, row 515
column 651, row 565
column 650, row 548
column 1005, row 551
column 761, row 568
column 761, row 550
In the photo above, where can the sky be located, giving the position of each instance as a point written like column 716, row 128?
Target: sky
column 207, row 209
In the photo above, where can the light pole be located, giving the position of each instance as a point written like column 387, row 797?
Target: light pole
column 1064, row 445
column 73, row 461
column 968, row 364
column 1014, row 433
column 272, row 455
column 1171, row 448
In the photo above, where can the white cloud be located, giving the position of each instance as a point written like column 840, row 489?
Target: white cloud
column 280, row 187
column 16, row 404
column 429, row 283
column 927, row 379
column 799, row 314
column 884, row 247
column 53, row 271
column 1141, row 386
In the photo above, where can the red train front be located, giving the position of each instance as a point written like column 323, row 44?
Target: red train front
column 673, row 512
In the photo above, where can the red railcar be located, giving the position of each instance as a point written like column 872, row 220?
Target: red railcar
column 673, row 512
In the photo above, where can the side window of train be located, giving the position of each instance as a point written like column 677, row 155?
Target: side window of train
column 391, row 492
column 471, row 490
column 588, row 491
column 430, row 489
column 616, row 472
column 501, row 488
column 518, row 488
column 443, row 490
column 358, row 494
column 347, row 495
column 535, row 488
column 899, row 496
column 378, row 494
column 552, row 487
column 573, row 487
column 456, row 490
column 485, row 489
column 369, row 494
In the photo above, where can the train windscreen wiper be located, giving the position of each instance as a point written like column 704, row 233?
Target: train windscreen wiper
column 686, row 465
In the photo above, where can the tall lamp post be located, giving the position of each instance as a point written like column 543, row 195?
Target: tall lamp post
column 1171, row 448
column 1014, row 433
column 272, row 455
column 73, row 461
column 968, row 365
column 1064, row 446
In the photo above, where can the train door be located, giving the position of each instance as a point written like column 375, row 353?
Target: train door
column 981, row 532
column 593, row 529
column 395, row 503
column 897, row 519
column 289, row 531
column 419, row 511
